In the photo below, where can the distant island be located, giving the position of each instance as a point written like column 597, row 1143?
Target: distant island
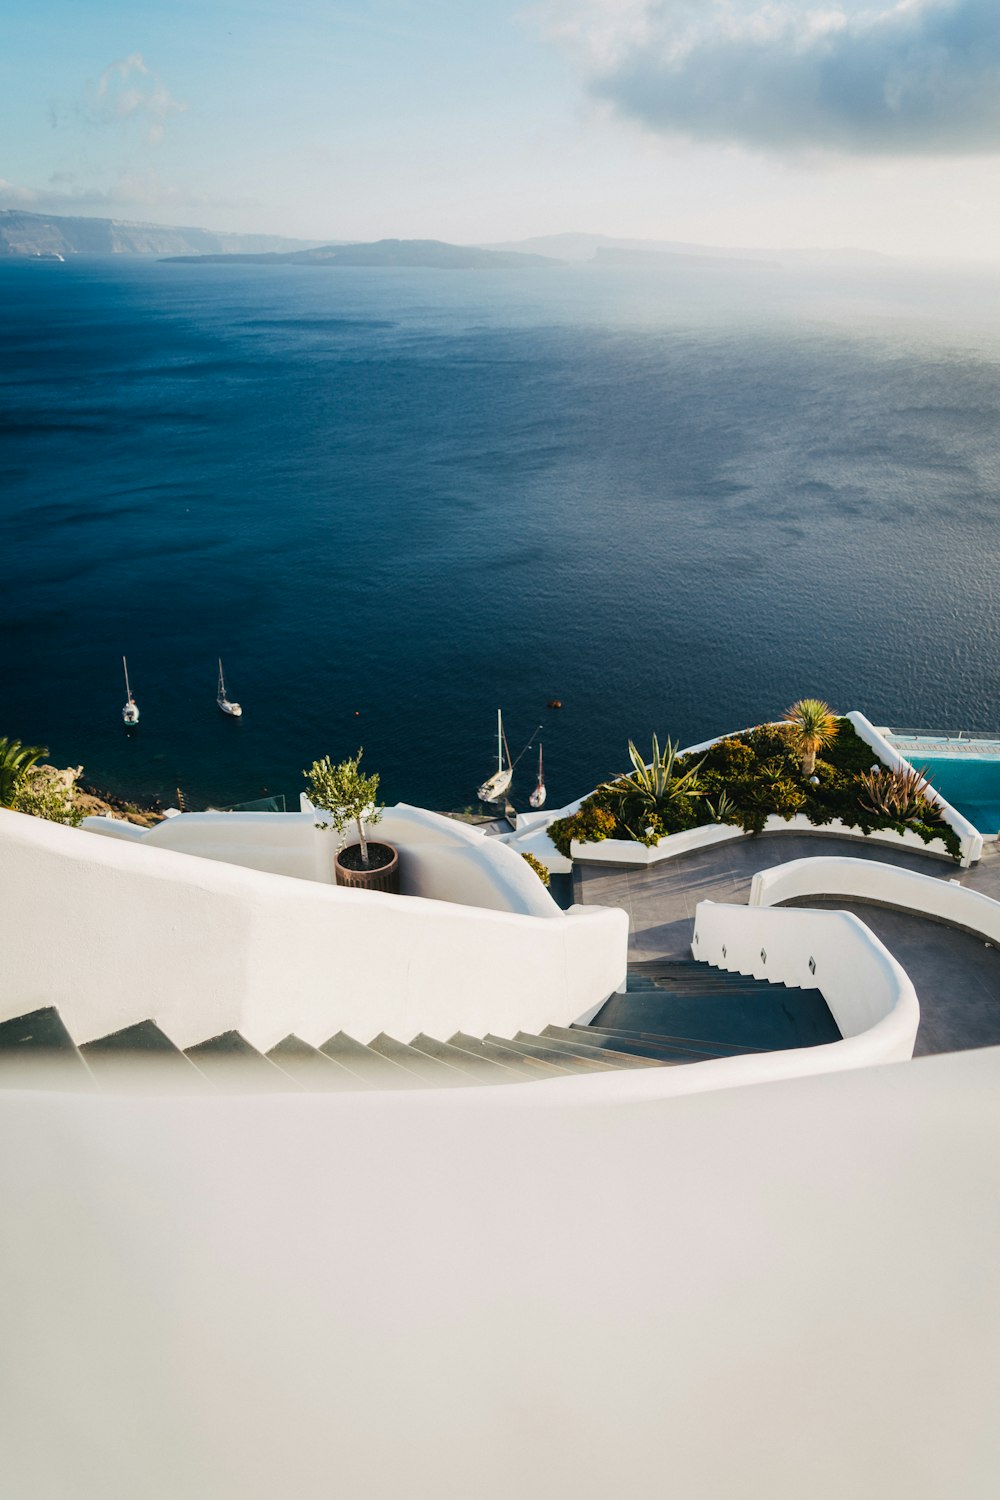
column 435, row 254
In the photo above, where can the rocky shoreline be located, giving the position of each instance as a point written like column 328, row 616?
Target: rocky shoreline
column 98, row 802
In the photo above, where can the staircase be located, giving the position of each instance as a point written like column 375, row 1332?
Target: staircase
column 671, row 1013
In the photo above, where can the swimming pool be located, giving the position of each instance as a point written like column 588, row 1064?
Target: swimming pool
column 971, row 783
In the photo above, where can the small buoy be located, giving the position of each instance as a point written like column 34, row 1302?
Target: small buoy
column 554, row 703
column 357, row 713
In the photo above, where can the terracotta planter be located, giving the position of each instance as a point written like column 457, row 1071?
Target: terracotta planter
column 378, row 877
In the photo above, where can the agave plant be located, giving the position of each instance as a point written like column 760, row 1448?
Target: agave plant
column 656, row 782
column 723, row 809
column 900, row 793
column 815, row 725
column 16, row 760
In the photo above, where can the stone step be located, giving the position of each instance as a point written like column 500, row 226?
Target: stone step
column 372, row 1066
column 432, row 1071
column 714, row 980
column 140, row 1058
column 234, row 1066
column 663, row 1041
column 477, row 1066
column 765, row 1020
column 698, row 975
column 36, row 1051
column 314, row 1070
column 525, row 1066
column 581, row 1040
column 538, row 1048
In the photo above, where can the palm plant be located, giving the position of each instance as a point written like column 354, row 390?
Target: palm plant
column 16, row 760
column 814, row 726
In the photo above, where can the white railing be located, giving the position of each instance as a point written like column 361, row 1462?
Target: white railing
column 885, row 885
column 113, row 932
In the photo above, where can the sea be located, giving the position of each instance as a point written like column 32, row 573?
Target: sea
column 673, row 499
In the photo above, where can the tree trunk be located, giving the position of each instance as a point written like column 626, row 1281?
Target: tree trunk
column 364, row 842
column 809, row 762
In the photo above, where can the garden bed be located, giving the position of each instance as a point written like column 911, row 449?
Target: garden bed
column 749, row 782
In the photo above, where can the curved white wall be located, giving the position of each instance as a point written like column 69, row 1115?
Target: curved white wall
column 869, row 994
column 112, row 932
column 440, row 858
column 888, row 885
column 624, row 852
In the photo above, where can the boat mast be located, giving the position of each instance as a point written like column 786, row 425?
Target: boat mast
column 222, row 681
column 499, row 742
column 128, row 690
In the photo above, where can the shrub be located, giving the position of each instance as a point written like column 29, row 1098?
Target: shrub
column 44, row 792
column 590, row 824
column 540, row 870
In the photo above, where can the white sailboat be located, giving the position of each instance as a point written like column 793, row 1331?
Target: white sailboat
column 227, row 708
column 130, row 713
column 496, row 788
column 537, row 798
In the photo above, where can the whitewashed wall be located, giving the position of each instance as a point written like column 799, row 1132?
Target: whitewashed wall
column 112, row 932
column 868, row 992
column 888, row 885
column 440, row 858
column 625, row 852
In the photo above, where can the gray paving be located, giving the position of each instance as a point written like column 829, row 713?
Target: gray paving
column 956, row 976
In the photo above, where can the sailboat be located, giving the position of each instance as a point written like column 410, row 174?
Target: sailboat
column 495, row 789
column 223, row 702
column 130, row 713
column 537, row 798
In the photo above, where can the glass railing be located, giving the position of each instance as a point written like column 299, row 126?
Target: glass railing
column 262, row 804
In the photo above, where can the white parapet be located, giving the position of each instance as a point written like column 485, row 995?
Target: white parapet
column 870, row 995
column 883, row 884
column 112, row 932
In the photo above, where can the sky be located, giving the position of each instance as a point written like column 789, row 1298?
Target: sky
column 872, row 123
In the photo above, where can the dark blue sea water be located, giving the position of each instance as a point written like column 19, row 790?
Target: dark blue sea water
column 676, row 501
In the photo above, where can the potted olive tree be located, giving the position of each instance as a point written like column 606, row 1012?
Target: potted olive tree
column 347, row 796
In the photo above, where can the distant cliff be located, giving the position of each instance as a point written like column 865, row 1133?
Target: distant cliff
column 435, row 254
column 23, row 234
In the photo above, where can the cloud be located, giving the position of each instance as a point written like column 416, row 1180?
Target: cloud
column 914, row 77
column 129, row 89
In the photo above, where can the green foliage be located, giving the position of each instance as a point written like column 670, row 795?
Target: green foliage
column 900, row 793
column 744, row 780
column 346, row 794
column 44, row 792
column 540, row 870
column 590, row 824
column 16, row 760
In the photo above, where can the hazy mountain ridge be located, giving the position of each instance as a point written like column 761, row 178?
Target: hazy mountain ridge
column 433, row 254
column 31, row 235
column 588, row 247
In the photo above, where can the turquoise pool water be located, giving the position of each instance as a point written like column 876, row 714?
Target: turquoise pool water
column 971, row 783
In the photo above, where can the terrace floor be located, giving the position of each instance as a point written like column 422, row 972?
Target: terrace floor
column 956, row 976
